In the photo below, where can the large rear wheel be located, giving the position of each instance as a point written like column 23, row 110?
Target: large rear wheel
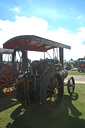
column 46, row 70
column 51, row 91
column 7, row 80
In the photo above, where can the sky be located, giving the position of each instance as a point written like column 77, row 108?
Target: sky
column 58, row 20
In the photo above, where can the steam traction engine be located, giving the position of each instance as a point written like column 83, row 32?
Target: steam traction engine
column 40, row 80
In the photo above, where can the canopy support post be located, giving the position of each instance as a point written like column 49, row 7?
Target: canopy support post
column 61, row 56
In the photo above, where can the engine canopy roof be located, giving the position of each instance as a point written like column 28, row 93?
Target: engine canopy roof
column 33, row 43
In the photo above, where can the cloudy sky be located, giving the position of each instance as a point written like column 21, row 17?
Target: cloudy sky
column 58, row 20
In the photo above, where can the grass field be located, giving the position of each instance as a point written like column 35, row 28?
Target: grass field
column 75, row 73
column 70, row 113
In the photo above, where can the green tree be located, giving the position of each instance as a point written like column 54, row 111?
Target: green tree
column 71, row 59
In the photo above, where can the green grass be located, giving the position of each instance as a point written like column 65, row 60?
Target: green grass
column 70, row 113
column 75, row 73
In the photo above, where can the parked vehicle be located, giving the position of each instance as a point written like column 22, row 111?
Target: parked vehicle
column 81, row 64
column 42, row 80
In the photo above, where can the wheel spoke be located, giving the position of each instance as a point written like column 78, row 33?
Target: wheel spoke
column 5, row 78
column 13, row 81
column 50, row 89
column 3, row 81
column 3, row 88
column 12, row 78
column 3, row 85
column 11, row 85
column 8, row 90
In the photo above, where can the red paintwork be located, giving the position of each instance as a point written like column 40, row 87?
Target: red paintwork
column 7, row 81
column 32, row 45
column 81, row 64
